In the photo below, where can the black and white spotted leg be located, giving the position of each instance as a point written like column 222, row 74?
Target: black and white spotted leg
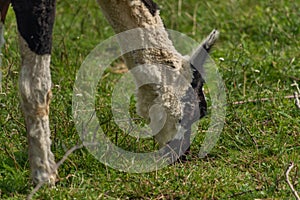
column 35, row 20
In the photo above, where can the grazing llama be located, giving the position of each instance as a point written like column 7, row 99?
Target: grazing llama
column 35, row 19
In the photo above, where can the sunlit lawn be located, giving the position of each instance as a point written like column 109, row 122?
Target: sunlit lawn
column 258, row 56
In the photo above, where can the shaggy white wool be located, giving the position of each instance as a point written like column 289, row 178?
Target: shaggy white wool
column 131, row 14
column 35, row 90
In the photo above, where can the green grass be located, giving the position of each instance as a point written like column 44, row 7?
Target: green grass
column 260, row 46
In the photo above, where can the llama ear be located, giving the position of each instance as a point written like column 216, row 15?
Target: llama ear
column 201, row 54
column 197, row 62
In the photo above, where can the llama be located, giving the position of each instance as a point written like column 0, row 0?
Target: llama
column 35, row 20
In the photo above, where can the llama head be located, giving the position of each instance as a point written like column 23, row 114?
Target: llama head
column 167, row 80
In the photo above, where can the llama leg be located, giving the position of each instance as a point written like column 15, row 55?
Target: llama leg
column 35, row 23
column 4, row 4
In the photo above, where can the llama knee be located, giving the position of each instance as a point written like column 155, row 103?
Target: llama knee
column 34, row 82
